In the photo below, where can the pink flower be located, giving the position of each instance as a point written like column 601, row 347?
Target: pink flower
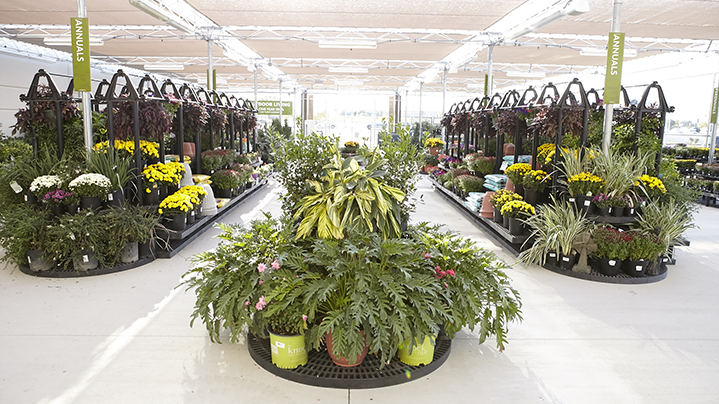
column 247, row 302
column 426, row 255
column 261, row 303
column 437, row 268
column 451, row 272
column 261, row 282
column 275, row 264
column 446, row 285
column 443, row 274
column 261, row 267
column 304, row 317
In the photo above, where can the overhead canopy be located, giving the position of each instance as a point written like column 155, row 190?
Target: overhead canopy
column 409, row 41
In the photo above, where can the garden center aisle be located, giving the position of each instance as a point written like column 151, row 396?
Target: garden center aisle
column 125, row 337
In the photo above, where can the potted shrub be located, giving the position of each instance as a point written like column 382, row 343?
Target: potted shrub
column 534, row 183
column 223, row 182
column 77, row 240
column 618, row 205
column 175, row 208
column 129, row 225
column 91, row 188
column 22, row 237
column 470, row 183
column 483, row 165
column 211, row 160
column 515, row 211
column 602, row 204
column 515, row 173
column 671, row 219
column 643, row 248
column 612, row 249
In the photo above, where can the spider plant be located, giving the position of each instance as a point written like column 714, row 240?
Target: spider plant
column 112, row 166
column 668, row 220
column 619, row 170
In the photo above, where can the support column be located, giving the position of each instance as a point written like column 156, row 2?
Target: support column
column 419, row 135
column 210, row 67
column 444, row 100
column 609, row 108
column 280, row 104
column 712, row 127
column 85, row 96
column 489, row 77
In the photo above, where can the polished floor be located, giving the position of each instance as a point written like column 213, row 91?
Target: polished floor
column 125, row 337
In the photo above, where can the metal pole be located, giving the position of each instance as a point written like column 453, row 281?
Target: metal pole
column 609, row 108
column 712, row 127
column 444, row 99
column 489, row 80
column 280, row 125
column 256, row 86
column 210, row 66
column 419, row 135
column 86, row 106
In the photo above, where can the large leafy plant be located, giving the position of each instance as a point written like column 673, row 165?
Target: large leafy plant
column 402, row 160
column 349, row 195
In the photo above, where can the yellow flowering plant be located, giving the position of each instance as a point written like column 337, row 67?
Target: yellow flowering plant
column 126, row 148
column 651, row 186
column 155, row 175
column 503, row 196
column 536, row 180
column 195, row 192
column 585, row 184
column 545, row 153
column 433, row 142
column 517, row 208
column 175, row 204
column 516, row 172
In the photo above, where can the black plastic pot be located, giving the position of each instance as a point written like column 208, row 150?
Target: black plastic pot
column 516, row 227
column 90, row 202
column 609, row 267
column 635, row 268
column 552, row 259
column 618, row 211
column 497, row 216
column 567, row 261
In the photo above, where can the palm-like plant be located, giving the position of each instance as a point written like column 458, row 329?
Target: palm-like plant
column 349, row 195
column 619, row 170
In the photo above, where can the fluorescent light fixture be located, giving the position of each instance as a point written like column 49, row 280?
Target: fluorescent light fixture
column 628, row 53
column 349, row 82
column 529, row 75
column 164, row 66
column 347, row 44
column 67, row 41
column 166, row 16
column 572, row 7
column 348, row 69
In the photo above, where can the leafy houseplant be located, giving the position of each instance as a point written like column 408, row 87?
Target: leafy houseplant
column 470, row 183
column 644, row 246
column 76, row 236
column 225, row 179
column 155, row 121
column 21, row 229
column 671, row 219
column 92, row 185
column 112, row 166
column 350, row 196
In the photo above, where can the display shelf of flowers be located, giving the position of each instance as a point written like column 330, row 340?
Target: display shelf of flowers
column 344, row 277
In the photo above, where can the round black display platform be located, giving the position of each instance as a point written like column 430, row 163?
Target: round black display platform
column 621, row 278
column 60, row 272
column 321, row 371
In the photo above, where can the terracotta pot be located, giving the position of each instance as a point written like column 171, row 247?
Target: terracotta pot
column 342, row 361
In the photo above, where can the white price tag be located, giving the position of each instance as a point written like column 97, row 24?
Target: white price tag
column 503, row 166
column 192, row 213
column 638, row 268
column 552, row 255
column 109, row 197
column 571, row 199
column 85, row 259
column 587, row 202
column 16, row 187
column 25, row 197
column 565, row 259
column 280, row 344
column 612, row 263
column 665, row 259
column 29, row 260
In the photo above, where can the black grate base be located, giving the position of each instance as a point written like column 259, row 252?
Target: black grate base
column 621, row 278
column 321, row 371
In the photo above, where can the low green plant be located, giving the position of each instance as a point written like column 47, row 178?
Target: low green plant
column 66, row 239
column 611, row 243
column 111, row 165
column 12, row 149
column 127, row 224
column 644, row 246
column 484, row 165
column 225, row 179
column 669, row 220
column 470, row 183
column 21, row 229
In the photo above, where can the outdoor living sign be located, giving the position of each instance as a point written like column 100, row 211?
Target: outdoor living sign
column 615, row 58
column 273, row 108
column 80, row 54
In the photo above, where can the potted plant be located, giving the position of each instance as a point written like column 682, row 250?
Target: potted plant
column 470, row 183
column 91, row 188
column 499, row 199
column 582, row 188
column 671, row 219
column 602, row 204
column 175, row 209
column 211, row 160
column 129, row 226
column 515, row 211
column 612, row 249
column 650, row 186
column 618, row 205
column 23, row 232
column 483, row 165
column 534, row 183
column 43, row 184
column 643, row 248
column 196, row 194
column 515, row 173
column 433, row 144
column 116, row 168
column 223, row 182
column 77, row 240
column 153, row 178
column 58, row 201
column 350, row 147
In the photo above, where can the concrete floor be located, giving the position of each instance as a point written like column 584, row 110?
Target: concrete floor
column 126, row 338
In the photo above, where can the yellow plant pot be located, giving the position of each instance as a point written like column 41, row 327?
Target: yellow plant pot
column 420, row 355
column 288, row 351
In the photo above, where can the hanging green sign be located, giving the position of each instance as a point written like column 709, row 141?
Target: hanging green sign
column 613, row 78
column 715, row 106
column 80, row 38
column 273, row 108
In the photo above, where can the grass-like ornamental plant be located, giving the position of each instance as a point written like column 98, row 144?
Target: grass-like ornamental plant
column 350, row 196
column 671, row 219
column 470, row 183
column 93, row 185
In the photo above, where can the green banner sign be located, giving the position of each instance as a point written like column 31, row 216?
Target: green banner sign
column 80, row 54
column 613, row 78
column 715, row 106
column 273, row 108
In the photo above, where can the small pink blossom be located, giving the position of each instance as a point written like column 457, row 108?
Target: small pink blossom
column 443, row 273
column 261, row 282
column 446, row 285
column 247, row 302
column 304, row 317
column 261, row 303
column 437, row 268
column 275, row 264
column 451, row 272
column 261, row 267
column 426, row 255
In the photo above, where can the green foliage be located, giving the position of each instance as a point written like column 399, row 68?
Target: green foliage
column 66, row 238
column 283, row 130
column 22, row 228
column 619, row 170
column 226, row 179
column 402, row 162
column 668, row 219
column 110, row 164
column 644, row 246
column 12, row 148
column 470, row 183
column 611, row 243
column 483, row 165
column 300, row 159
column 350, row 196
column 595, row 130
column 430, row 160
